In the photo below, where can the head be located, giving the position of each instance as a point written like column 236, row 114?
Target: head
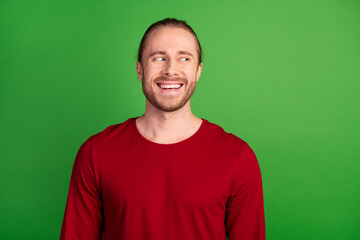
column 168, row 22
column 169, row 64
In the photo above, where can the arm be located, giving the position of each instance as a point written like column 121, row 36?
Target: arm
column 83, row 213
column 245, row 207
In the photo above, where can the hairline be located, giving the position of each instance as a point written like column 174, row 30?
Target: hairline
column 169, row 25
column 172, row 26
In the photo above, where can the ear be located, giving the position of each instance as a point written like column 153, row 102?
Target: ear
column 139, row 70
column 199, row 71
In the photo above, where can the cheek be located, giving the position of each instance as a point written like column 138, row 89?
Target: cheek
column 151, row 71
column 192, row 75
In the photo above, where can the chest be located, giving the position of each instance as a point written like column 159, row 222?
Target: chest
column 142, row 179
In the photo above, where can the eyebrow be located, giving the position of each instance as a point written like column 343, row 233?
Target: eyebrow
column 164, row 52
column 157, row 52
column 185, row 52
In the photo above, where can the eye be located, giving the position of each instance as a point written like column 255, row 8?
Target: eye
column 184, row 59
column 159, row 59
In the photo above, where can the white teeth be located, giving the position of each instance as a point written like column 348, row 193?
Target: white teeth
column 167, row 86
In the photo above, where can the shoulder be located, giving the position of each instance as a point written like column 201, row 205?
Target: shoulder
column 217, row 133
column 227, row 142
column 114, row 129
column 112, row 134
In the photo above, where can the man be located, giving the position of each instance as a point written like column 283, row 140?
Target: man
column 166, row 174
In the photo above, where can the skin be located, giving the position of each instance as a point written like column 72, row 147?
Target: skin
column 170, row 56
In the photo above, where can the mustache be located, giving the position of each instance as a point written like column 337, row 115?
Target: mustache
column 173, row 79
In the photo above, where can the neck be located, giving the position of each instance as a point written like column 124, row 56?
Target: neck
column 168, row 127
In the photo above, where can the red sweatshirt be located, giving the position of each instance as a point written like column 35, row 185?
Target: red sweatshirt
column 125, row 187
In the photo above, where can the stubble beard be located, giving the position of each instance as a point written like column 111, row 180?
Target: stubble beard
column 168, row 103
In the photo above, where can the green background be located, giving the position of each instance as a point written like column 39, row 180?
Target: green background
column 282, row 75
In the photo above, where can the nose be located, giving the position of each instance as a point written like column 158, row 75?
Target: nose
column 170, row 68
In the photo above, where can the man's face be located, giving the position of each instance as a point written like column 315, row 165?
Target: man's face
column 169, row 69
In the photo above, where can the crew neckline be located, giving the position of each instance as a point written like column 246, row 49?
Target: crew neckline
column 189, row 139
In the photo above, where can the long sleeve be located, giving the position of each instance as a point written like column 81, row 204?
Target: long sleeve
column 83, row 213
column 245, row 207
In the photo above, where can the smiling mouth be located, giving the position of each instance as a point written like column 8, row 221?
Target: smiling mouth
column 166, row 86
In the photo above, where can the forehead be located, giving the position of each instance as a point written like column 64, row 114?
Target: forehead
column 170, row 39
